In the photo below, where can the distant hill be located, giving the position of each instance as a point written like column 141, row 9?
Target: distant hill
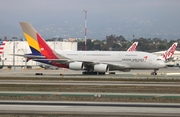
column 98, row 29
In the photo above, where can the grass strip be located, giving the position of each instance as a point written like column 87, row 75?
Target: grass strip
column 90, row 88
column 135, row 79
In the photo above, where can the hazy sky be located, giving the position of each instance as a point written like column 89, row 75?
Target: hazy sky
column 99, row 13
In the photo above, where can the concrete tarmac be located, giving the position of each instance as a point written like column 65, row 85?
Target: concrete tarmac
column 162, row 110
column 93, row 83
column 164, row 73
column 91, row 108
column 95, row 94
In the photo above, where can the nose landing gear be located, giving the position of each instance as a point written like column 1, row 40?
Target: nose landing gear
column 154, row 72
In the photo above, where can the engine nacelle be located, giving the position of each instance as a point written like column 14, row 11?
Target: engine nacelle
column 76, row 66
column 101, row 68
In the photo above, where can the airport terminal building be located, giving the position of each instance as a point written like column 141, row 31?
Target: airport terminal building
column 22, row 47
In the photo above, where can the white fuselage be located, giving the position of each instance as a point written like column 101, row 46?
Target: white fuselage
column 117, row 59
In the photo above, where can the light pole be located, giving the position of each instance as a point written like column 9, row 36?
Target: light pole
column 85, row 28
column 55, row 40
column 14, row 39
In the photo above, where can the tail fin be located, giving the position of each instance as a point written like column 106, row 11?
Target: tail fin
column 36, row 43
column 133, row 46
column 2, row 44
column 170, row 52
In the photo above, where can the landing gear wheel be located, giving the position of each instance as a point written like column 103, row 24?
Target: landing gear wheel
column 84, row 73
column 101, row 73
column 112, row 72
column 89, row 73
column 154, row 73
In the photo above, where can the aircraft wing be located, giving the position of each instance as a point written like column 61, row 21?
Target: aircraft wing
column 66, row 61
column 85, row 62
column 110, row 64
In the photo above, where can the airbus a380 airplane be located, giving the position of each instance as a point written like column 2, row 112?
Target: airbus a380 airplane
column 92, row 62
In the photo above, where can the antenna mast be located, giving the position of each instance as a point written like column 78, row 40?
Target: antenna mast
column 85, row 28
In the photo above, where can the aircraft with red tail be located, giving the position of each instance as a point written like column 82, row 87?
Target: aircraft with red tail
column 90, row 62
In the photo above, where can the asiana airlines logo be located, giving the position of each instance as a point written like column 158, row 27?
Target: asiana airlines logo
column 145, row 57
column 42, row 49
column 135, row 59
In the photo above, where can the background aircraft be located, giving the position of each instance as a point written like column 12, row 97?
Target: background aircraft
column 92, row 62
column 168, row 55
column 2, row 44
column 133, row 47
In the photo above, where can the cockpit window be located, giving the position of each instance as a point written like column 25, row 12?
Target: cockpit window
column 158, row 59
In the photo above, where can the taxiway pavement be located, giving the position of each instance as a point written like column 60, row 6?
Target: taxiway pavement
column 91, row 108
column 164, row 73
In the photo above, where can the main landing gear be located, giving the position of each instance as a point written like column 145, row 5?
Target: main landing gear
column 93, row 73
column 154, row 73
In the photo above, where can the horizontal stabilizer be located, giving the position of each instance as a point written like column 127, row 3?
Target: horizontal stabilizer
column 30, row 56
column 55, row 60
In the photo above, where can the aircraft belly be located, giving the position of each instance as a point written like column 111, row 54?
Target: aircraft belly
column 143, row 65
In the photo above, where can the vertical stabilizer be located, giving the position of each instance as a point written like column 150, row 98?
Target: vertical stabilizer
column 2, row 44
column 133, row 47
column 170, row 52
column 36, row 43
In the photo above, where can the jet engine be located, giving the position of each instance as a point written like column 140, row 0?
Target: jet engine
column 76, row 66
column 101, row 68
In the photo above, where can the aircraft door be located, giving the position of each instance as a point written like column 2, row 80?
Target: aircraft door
column 63, row 54
column 80, row 55
column 120, row 57
column 150, row 61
